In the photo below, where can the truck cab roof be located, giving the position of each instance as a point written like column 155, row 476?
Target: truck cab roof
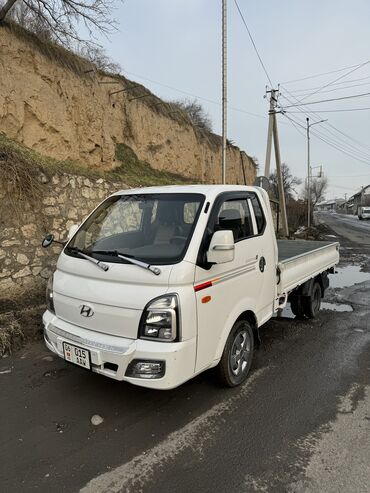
column 209, row 190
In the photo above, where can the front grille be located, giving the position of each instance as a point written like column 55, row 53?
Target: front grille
column 86, row 342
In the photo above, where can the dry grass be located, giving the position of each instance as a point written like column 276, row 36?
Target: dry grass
column 139, row 173
column 11, row 335
column 21, row 169
column 17, row 177
column 49, row 49
column 17, row 327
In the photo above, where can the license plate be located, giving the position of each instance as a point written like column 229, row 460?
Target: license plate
column 77, row 355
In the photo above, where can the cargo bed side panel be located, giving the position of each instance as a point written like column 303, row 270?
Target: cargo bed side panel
column 297, row 270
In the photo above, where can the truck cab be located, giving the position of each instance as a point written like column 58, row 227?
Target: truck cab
column 159, row 284
column 363, row 212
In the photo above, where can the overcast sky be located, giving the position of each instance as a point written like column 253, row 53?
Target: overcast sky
column 177, row 43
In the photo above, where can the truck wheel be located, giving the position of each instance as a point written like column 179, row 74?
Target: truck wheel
column 236, row 359
column 296, row 306
column 312, row 303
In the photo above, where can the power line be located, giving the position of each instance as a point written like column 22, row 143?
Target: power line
column 329, row 143
column 335, row 80
column 292, row 91
column 334, row 111
column 193, row 95
column 340, row 143
column 344, row 146
column 349, row 137
column 295, row 125
column 349, row 176
column 351, row 147
column 343, row 188
column 321, row 74
column 331, row 99
column 253, row 43
column 306, row 91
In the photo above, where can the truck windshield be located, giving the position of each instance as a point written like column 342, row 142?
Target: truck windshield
column 153, row 228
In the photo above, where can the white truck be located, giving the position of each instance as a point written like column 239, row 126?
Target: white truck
column 363, row 212
column 159, row 284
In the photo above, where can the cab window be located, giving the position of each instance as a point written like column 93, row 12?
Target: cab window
column 234, row 215
column 258, row 213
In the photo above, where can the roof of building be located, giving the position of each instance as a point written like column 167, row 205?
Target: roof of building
column 364, row 189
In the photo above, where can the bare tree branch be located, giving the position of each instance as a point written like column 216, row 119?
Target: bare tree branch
column 5, row 9
column 60, row 20
column 290, row 182
column 194, row 112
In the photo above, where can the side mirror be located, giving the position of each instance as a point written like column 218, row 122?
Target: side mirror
column 221, row 248
column 47, row 241
column 72, row 231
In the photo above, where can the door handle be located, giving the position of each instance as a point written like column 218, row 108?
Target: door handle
column 262, row 264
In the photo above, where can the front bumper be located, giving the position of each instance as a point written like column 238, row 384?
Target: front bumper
column 111, row 355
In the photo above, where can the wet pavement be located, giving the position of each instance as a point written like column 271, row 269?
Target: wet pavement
column 300, row 423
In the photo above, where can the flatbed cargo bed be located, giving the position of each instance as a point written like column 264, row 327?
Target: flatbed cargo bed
column 291, row 249
column 301, row 260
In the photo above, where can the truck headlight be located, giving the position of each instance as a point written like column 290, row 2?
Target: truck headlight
column 160, row 319
column 50, row 295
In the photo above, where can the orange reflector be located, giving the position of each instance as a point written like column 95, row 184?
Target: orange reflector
column 206, row 299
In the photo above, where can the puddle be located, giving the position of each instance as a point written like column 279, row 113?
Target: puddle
column 336, row 307
column 285, row 313
column 348, row 276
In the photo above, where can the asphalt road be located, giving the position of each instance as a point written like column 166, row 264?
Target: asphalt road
column 348, row 227
column 300, row 423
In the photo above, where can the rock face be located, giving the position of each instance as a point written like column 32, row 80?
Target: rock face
column 68, row 114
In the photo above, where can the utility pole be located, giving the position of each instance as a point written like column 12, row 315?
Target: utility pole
column 308, row 176
column 273, row 135
column 309, row 125
column 284, row 218
column 224, row 88
column 269, row 132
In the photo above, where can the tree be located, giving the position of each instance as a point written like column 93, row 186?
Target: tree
column 61, row 20
column 290, row 182
column 98, row 57
column 318, row 189
column 195, row 112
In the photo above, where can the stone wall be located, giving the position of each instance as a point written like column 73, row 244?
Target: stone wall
column 64, row 200
column 52, row 103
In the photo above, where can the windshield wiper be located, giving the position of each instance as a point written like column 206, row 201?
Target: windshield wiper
column 98, row 263
column 129, row 259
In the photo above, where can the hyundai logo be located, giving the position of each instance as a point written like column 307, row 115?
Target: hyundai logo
column 86, row 311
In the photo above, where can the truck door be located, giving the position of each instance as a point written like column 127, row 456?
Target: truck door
column 224, row 291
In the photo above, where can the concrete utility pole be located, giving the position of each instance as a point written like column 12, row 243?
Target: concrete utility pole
column 273, row 134
column 269, row 132
column 284, row 218
column 224, row 88
column 308, row 175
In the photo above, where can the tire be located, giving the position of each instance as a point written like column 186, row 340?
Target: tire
column 296, row 306
column 311, row 304
column 235, row 364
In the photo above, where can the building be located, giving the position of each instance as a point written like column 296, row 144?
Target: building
column 361, row 198
column 330, row 205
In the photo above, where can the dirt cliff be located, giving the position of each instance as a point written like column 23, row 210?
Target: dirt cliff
column 57, row 104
